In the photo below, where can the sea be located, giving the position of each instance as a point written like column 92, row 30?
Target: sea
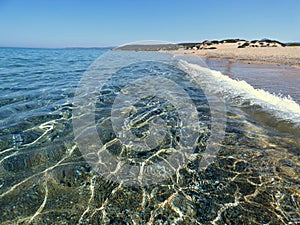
column 97, row 136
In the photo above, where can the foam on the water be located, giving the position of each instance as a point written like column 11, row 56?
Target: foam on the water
column 241, row 93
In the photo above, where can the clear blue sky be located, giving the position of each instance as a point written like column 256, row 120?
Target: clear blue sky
column 66, row 23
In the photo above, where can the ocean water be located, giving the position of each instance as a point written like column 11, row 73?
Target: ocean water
column 94, row 136
column 277, row 79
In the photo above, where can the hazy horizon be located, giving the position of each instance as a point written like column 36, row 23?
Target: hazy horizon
column 114, row 46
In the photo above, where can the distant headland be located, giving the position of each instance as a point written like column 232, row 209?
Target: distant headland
column 262, row 51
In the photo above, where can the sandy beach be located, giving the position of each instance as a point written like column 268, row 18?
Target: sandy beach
column 278, row 55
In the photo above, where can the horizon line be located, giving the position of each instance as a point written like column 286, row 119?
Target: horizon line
column 114, row 46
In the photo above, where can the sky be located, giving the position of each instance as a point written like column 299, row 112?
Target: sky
column 88, row 23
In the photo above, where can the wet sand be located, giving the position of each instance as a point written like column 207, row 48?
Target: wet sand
column 281, row 80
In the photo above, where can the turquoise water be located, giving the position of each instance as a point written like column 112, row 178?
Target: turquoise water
column 45, row 177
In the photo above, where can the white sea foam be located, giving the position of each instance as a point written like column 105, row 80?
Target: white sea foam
column 241, row 93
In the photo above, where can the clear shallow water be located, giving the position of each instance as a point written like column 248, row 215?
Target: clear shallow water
column 44, row 178
column 36, row 81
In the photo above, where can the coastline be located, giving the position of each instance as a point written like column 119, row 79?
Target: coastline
column 289, row 56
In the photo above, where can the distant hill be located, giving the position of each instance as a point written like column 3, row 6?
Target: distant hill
column 240, row 43
column 207, row 44
column 148, row 47
column 88, row 47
